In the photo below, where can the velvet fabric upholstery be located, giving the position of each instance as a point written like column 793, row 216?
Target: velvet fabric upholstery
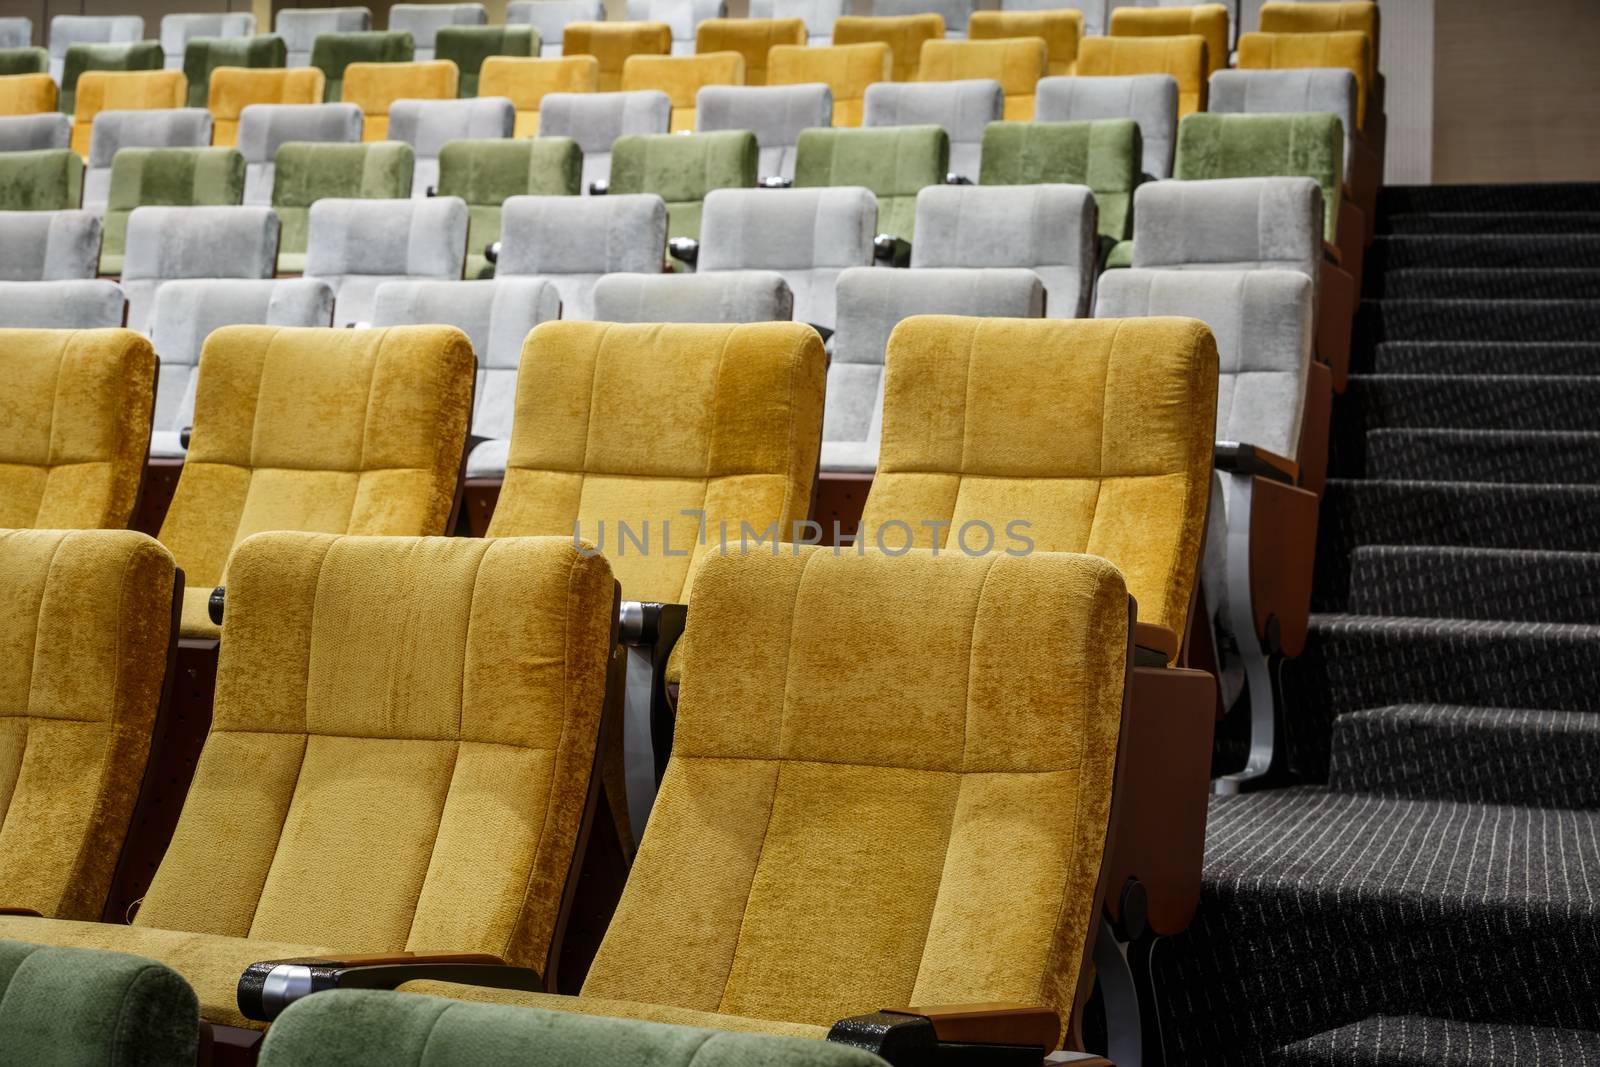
column 305, row 173
column 751, row 38
column 1209, row 21
column 1151, row 100
column 41, row 180
column 846, row 70
column 904, row 34
column 1184, row 58
column 550, row 18
column 469, row 46
column 234, row 89
column 1016, row 63
column 16, row 31
column 20, row 59
column 29, row 133
column 1095, row 13
column 681, row 78
column 726, row 296
column 137, row 55
column 774, row 113
column 427, row 125
column 1104, row 154
column 414, row 722
column 1324, row 16
column 611, row 43
column 26, row 94
column 682, row 16
column 818, row 15
column 954, row 13
column 333, row 53
column 1250, row 146
column 72, row 448
column 1060, row 30
column 184, row 127
column 682, row 169
column 167, row 177
column 526, row 82
column 1314, row 89
column 38, row 246
column 357, row 245
column 871, row 303
column 424, row 21
column 69, row 304
column 300, row 27
column 177, row 31
column 128, row 90
column 485, row 173
column 68, row 30
column 373, row 87
column 572, row 243
column 963, row 108
column 1290, row 51
column 206, row 55
column 264, row 128
column 895, row 163
column 193, row 242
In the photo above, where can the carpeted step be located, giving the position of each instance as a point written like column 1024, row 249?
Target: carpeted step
column 1448, row 455
column 1420, row 1041
column 1476, row 320
column 1483, row 251
column 1490, row 222
column 1521, row 585
column 1319, row 909
column 1485, row 357
column 1477, row 755
column 1427, row 283
column 1483, row 402
column 1540, row 197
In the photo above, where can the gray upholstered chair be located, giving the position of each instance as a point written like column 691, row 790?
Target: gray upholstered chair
column 176, row 31
column 31, row 133
column 725, row 296
column 79, row 304
column 596, row 120
column 954, row 12
column 806, row 235
column 684, row 16
column 68, row 30
column 1049, row 229
column 16, row 32
column 1151, row 100
column 426, row 125
column 573, row 241
column 424, row 21
column 165, row 243
column 264, row 128
column 184, row 314
column 300, row 27
column 308, row 173
column 550, row 18
column 42, row 246
column 774, row 113
column 357, row 245
column 963, row 108
column 871, row 303
column 180, row 127
column 497, row 315
column 819, row 16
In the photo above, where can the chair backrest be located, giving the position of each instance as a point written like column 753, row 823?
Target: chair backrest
column 305, row 173
column 681, row 78
column 846, row 70
column 41, row 246
column 955, row 13
column 426, row 125
column 81, row 58
column 1095, row 13
column 335, row 53
column 1049, row 229
column 1327, row 16
column 27, row 94
column 374, row 87
column 1184, row 58
column 1151, row 100
column 68, row 30
column 29, row 133
column 726, row 297
column 1207, row 21
column 300, row 27
column 894, row 162
column 207, row 55
column 485, row 174
column 469, row 46
column 818, row 15
column 1060, row 30
column 22, row 59
column 774, row 113
column 166, row 177
column 751, row 38
column 16, row 32
column 49, row 179
column 682, row 169
column 805, row 235
column 963, row 108
column 1016, row 63
column 871, row 303
column 611, row 43
column 744, row 450
column 424, row 21
column 164, row 243
column 72, row 448
column 1104, row 155
column 178, row 30
column 573, row 242
column 596, row 120
column 1260, row 146
column 356, row 245
column 264, row 128
column 904, row 34
column 70, row 304
column 86, row 644
column 235, row 89
column 1035, row 442
column 1314, row 89
column 683, row 16
column 526, row 83
column 185, row 127
column 1348, row 49
column 550, row 18
column 462, row 754
column 129, row 90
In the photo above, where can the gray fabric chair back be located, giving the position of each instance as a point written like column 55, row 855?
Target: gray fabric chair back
column 1151, row 100
column 596, row 120
column 82, row 304
column 357, row 245
column 963, row 108
column 31, row 133
column 774, row 113
column 573, row 241
column 819, row 16
column 427, row 124
column 871, row 303
column 44, row 246
column 730, row 296
column 165, row 243
column 423, row 22
column 684, row 16
column 177, row 30
column 550, row 18
column 954, row 12
column 300, row 27
column 179, row 127
column 16, row 32
column 1049, row 229
column 1287, row 92
column 68, row 30
column 264, row 128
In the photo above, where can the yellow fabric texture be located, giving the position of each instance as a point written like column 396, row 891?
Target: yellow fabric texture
column 681, row 77
column 333, row 431
column 1324, row 16
column 904, row 34
column 374, row 86
column 399, row 757
column 235, row 88
column 83, row 651
column 878, row 796
column 1284, row 51
column 526, row 82
column 846, row 69
column 1182, row 57
column 27, row 94
column 1209, row 21
column 74, row 426
column 122, row 90
column 736, row 423
column 751, row 38
column 611, row 43
column 1061, row 31
column 1096, row 433
column 1017, row 63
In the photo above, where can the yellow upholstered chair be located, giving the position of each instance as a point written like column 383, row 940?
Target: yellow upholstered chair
column 681, row 78
column 235, row 88
column 337, row 431
column 124, row 90
column 1347, row 49
column 1182, row 57
column 1324, row 16
column 374, row 86
column 1017, row 63
column 751, row 38
column 27, row 94
column 526, row 82
column 399, row 759
column 611, row 43
column 904, row 34
column 83, row 651
column 846, row 69
column 1209, row 21
column 1061, row 31
column 75, row 416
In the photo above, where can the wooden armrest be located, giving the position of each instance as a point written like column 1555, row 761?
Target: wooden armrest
column 1331, row 251
column 26, row 913
column 993, row 1024
column 1158, row 639
column 268, row 987
column 1236, row 458
column 952, row 1034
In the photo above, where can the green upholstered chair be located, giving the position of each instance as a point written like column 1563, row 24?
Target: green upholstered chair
column 895, row 162
column 484, row 173
column 1104, row 154
column 333, row 52
column 468, row 46
column 139, row 55
column 47, row 179
column 682, row 168
column 1266, row 146
column 203, row 55
column 307, row 172
column 166, row 177
column 24, row 61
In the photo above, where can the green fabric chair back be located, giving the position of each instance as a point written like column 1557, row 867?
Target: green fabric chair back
column 24, row 61
column 895, row 162
column 205, row 54
column 1309, row 145
column 333, row 52
column 307, row 172
column 1104, row 154
column 48, row 179
column 681, row 168
column 468, row 46
column 165, row 177
column 484, row 173
column 139, row 55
